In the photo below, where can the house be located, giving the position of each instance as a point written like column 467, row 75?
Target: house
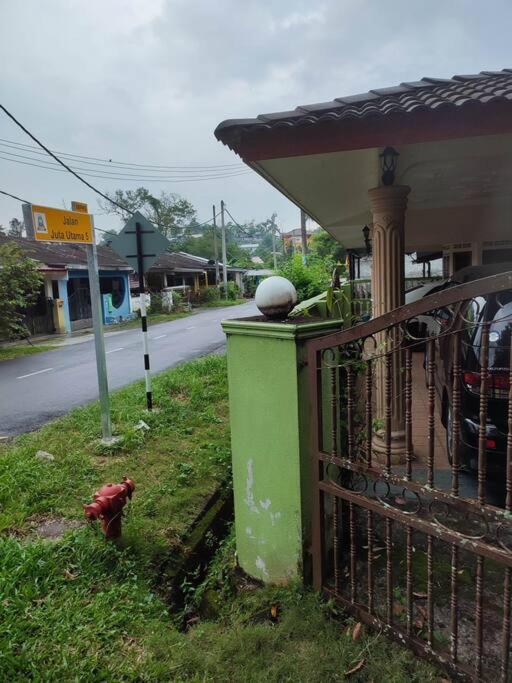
column 64, row 304
column 345, row 444
column 293, row 239
column 179, row 269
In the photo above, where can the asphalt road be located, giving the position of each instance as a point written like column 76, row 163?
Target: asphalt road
column 38, row 388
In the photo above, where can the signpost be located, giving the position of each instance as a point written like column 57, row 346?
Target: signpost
column 140, row 243
column 77, row 227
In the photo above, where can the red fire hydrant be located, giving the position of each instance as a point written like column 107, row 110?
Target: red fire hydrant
column 108, row 506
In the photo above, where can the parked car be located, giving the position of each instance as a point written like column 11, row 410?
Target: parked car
column 423, row 325
column 495, row 309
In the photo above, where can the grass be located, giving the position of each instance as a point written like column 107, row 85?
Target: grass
column 11, row 352
column 81, row 608
column 222, row 302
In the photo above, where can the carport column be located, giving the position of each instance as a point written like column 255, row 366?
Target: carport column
column 388, row 204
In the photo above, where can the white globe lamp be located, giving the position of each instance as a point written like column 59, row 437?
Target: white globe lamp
column 275, row 297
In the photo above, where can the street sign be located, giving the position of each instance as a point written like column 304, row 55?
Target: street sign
column 61, row 225
column 80, row 207
column 153, row 243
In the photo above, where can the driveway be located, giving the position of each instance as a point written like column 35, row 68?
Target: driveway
column 35, row 389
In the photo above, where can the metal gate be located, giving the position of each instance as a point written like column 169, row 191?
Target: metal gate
column 421, row 550
column 80, row 311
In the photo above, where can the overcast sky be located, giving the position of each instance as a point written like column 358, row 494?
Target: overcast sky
column 147, row 81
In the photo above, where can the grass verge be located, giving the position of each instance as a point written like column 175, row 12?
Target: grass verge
column 153, row 319
column 11, row 352
column 80, row 608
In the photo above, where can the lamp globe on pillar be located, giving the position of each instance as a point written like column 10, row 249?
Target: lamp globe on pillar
column 275, row 297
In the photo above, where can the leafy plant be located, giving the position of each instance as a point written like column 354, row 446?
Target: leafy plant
column 20, row 285
column 309, row 280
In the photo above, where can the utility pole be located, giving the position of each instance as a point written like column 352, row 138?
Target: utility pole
column 274, row 228
column 215, row 252
column 224, row 255
column 304, row 237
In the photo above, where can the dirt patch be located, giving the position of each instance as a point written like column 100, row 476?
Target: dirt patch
column 54, row 528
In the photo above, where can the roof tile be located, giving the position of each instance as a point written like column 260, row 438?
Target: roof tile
column 425, row 94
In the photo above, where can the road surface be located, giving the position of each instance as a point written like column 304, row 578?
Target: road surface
column 35, row 389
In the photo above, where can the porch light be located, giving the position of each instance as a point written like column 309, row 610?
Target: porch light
column 389, row 160
column 367, row 240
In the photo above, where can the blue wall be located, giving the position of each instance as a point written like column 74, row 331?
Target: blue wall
column 116, row 314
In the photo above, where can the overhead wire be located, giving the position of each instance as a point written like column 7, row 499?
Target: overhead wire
column 97, row 161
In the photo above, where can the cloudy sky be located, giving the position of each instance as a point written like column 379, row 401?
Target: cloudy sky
column 147, row 81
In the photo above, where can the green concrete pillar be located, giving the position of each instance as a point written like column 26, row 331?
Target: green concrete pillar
column 269, row 415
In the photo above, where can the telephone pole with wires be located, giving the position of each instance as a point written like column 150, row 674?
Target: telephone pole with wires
column 215, row 250
column 274, row 228
column 224, row 254
column 304, row 237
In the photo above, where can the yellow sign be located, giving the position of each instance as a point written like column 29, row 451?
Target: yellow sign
column 80, row 207
column 60, row 225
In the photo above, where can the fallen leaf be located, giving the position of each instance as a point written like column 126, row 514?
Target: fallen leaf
column 355, row 669
column 69, row 575
column 356, row 633
column 398, row 609
column 422, row 611
column 273, row 611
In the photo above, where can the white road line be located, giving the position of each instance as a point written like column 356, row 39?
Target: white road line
column 160, row 336
column 114, row 350
column 38, row 372
column 191, row 328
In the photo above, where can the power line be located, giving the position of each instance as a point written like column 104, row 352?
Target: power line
column 113, row 164
column 13, row 196
column 123, row 177
column 105, row 169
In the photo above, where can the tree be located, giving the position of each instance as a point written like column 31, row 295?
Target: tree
column 326, row 247
column 16, row 228
column 171, row 213
column 20, row 284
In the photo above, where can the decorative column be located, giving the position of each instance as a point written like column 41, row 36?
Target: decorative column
column 388, row 204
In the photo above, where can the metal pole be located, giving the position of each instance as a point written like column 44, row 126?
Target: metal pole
column 304, row 237
column 215, row 250
column 99, row 340
column 224, row 255
column 143, row 316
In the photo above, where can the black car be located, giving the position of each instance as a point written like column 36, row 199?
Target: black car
column 495, row 309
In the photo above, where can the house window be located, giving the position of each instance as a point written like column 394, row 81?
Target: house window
column 461, row 259
column 114, row 286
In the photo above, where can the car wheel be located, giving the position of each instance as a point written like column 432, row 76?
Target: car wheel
column 463, row 454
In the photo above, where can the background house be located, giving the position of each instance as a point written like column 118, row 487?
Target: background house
column 66, row 286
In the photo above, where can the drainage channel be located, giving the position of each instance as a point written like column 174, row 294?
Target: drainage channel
column 180, row 576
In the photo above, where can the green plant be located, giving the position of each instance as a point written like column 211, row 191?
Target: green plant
column 209, row 294
column 233, row 291
column 309, row 280
column 177, row 299
column 20, row 286
column 156, row 303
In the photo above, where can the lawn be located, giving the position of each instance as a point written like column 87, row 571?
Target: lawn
column 152, row 318
column 11, row 352
column 80, row 608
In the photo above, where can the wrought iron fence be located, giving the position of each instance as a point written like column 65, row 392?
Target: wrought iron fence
column 420, row 550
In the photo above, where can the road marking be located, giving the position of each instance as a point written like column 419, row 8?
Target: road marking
column 114, row 350
column 160, row 336
column 191, row 328
column 38, row 372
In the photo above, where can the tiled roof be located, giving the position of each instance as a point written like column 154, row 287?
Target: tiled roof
column 67, row 255
column 181, row 261
column 428, row 94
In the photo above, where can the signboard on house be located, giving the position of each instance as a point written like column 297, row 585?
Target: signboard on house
column 60, row 225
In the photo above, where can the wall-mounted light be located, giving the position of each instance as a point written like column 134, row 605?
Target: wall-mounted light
column 367, row 240
column 389, row 161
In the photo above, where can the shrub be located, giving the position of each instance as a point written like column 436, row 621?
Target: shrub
column 156, row 302
column 209, row 294
column 309, row 280
column 177, row 299
column 233, row 291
